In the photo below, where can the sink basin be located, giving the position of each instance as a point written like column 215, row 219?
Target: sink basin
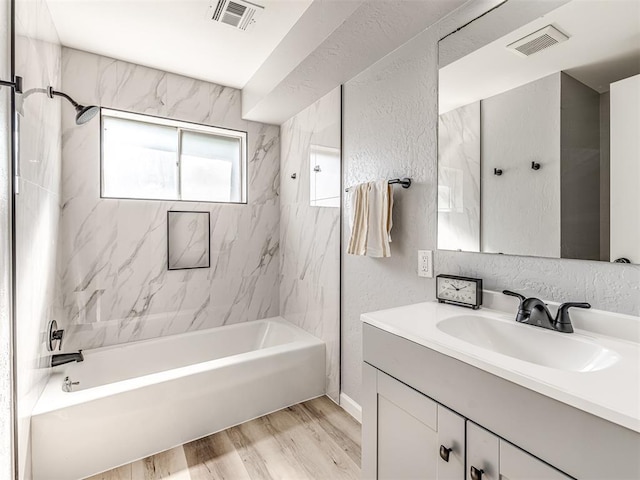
column 557, row 350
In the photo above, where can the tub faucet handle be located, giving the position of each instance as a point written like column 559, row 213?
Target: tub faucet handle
column 67, row 384
column 54, row 336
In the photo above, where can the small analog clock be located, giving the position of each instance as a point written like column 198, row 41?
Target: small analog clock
column 463, row 291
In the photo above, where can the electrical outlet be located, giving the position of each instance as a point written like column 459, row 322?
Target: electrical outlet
column 425, row 263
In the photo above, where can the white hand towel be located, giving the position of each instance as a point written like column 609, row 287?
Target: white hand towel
column 371, row 219
column 358, row 219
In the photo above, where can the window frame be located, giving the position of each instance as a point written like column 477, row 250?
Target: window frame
column 180, row 126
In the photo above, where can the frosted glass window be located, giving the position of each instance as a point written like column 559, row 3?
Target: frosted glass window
column 146, row 157
column 139, row 160
column 210, row 170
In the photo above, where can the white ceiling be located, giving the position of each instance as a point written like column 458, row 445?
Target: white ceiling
column 175, row 35
column 604, row 46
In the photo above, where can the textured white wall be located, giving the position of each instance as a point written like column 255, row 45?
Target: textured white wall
column 390, row 130
column 310, row 236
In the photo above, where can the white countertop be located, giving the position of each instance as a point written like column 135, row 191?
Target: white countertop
column 612, row 393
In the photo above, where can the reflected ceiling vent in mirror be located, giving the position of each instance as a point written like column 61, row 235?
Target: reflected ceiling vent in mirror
column 235, row 13
column 537, row 41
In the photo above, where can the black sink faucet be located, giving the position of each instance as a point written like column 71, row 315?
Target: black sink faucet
column 62, row 358
column 534, row 311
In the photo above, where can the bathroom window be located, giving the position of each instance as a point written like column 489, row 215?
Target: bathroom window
column 145, row 157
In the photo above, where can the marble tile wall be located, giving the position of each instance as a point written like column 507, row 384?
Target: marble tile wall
column 310, row 236
column 113, row 257
column 459, row 179
column 37, row 210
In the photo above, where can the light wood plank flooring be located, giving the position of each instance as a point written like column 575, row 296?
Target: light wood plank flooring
column 311, row 440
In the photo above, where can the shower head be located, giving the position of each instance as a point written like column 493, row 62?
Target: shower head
column 83, row 114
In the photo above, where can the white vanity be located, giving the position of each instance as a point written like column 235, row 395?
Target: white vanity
column 451, row 393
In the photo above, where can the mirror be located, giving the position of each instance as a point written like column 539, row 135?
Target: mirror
column 538, row 149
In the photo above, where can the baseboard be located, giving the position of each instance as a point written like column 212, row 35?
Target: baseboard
column 351, row 407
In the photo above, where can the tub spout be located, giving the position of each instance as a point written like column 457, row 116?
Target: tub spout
column 62, row 358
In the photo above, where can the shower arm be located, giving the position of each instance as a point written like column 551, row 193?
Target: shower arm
column 51, row 92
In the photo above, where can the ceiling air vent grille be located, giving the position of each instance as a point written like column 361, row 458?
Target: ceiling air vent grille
column 537, row 41
column 235, row 13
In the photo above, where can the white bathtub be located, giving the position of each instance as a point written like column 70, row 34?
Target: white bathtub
column 140, row 398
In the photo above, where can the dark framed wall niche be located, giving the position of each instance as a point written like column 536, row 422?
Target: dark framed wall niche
column 188, row 240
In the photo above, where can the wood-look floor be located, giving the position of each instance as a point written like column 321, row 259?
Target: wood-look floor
column 311, row 440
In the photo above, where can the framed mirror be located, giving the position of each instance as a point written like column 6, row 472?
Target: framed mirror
column 539, row 114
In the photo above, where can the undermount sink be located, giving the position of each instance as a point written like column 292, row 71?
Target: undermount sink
column 532, row 344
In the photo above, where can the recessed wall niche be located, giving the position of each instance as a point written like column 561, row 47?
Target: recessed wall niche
column 188, row 240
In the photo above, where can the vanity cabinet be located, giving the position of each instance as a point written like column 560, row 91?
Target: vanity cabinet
column 407, row 435
column 415, row 399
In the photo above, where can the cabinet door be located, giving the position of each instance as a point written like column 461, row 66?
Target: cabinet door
column 407, row 432
column 483, row 453
column 451, row 433
column 496, row 459
column 516, row 464
column 404, row 431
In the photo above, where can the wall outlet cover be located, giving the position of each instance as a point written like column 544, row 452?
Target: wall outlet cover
column 425, row 263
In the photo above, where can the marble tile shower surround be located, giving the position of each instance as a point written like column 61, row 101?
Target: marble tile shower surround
column 113, row 262
column 310, row 236
column 459, row 176
column 37, row 209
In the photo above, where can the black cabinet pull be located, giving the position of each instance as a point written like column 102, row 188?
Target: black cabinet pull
column 444, row 453
column 476, row 474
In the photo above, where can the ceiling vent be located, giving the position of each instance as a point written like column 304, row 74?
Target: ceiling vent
column 235, row 13
column 537, row 41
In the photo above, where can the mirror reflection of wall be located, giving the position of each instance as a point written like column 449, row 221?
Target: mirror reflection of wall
column 538, row 140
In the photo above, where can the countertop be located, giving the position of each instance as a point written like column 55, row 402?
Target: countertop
column 612, row 393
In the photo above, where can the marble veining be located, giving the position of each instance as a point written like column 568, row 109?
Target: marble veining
column 188, row 242
column 310, row 236
column 113, row 254
column 459, row 179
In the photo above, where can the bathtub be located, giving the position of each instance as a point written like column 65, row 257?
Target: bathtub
column 137, row 399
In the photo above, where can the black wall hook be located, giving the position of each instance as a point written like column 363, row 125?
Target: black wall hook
column 497, row 171
column 535, row 165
